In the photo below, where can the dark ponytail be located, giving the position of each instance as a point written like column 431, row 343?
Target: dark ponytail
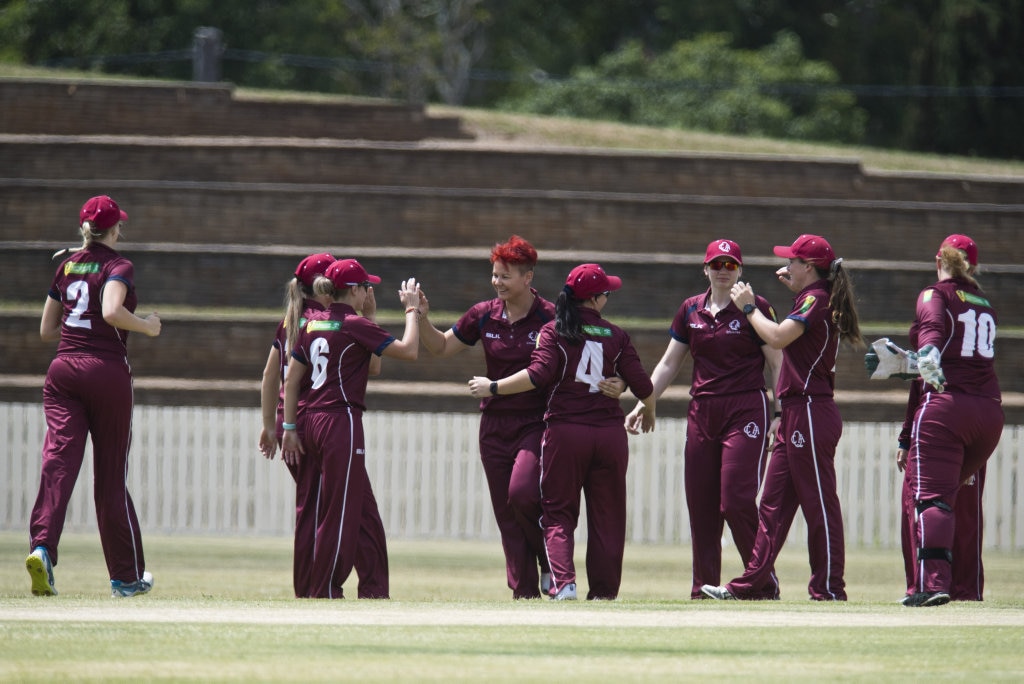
column 568, row 323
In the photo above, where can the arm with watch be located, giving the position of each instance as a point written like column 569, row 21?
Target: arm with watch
column 775, row 335
column 481, row 387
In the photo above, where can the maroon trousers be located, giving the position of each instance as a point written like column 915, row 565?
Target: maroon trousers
column 89, row 396
column 510, row 454
column 801, row 474
column 952, row 436
column 348, row 531
column 594, row 460
column 968, row 569
column 726, row 442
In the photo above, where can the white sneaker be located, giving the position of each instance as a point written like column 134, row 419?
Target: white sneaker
column 545, row 583
column 720, row 593
column 41, row 571
column 566, row 593
column 125, row 589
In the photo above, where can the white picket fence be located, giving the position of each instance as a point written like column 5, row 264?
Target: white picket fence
column 196, row 470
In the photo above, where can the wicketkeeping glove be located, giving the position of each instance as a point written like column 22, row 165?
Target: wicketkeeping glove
column 886, row 360
column 929, row 364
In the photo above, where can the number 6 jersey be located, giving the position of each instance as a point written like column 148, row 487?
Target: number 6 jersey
column 956, row 317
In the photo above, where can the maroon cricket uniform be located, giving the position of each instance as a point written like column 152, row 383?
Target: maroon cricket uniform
column 510, row 435
column 349, row 532
column 305, row 490
column 88, row 392
column 801, row 473
column 585, row 447
column 726, row 430
column 954, row 432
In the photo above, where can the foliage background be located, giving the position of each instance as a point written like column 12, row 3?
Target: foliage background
column 944, row 76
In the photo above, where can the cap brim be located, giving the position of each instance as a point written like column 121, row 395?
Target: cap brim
column 784, row 251
column 373, row 279
column 614, row 283
column 124, row 216
column 723, row 256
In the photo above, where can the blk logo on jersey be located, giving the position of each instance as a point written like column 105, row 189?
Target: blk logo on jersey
column 734, row 326
column 752, row 430
column 797, row 439
column 533, row 337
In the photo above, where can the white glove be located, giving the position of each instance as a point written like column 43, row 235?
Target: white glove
column 886, row 360
column 929, row 363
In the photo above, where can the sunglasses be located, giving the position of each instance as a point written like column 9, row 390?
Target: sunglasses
column 606, row 293
column 719, row 265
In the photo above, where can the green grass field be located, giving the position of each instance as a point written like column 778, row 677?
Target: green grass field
column 222, row 610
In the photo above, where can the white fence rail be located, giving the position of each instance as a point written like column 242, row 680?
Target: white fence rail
column 197, row 471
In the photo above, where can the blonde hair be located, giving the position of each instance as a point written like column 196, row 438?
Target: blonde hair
column 89, row 235
column 954, row 262
column 295, row 294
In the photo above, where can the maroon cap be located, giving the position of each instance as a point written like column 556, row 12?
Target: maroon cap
column 723, row 248
column 349, row 273
column 101, row 212
column 588, row 280
column 312, row 266
column 964, row 244
column 813, row 249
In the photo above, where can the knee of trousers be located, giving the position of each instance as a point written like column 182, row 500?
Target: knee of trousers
column 923, row 506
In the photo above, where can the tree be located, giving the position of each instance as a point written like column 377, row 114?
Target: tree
column 705, row 84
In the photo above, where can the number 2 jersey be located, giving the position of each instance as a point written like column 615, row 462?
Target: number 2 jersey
column 336, row 350
column 956, row 317
column 568, row 374
column 78, row 286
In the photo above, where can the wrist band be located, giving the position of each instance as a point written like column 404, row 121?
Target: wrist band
column 778, row 414
column 494, row 387
column 288, row 426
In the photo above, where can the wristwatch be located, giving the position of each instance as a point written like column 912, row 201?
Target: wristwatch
column 749, row 309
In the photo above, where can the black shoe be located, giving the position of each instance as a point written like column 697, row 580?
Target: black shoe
column 923, row 599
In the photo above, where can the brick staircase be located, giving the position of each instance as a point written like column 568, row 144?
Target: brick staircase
column 218, row 222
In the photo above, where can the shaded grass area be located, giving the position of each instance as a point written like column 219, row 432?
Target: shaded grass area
column 220, row 578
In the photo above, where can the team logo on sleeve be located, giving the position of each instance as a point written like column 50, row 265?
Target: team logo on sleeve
column 771, row 310
column 806, row 305
column 927, row 296
column 81, row 268
column 797, row 439
column 752, row 430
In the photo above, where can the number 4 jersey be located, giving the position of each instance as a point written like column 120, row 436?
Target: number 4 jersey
column 78, row 286
column 568, row 374
column 958, row 319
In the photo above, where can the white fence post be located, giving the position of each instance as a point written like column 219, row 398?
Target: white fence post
column 198, row 471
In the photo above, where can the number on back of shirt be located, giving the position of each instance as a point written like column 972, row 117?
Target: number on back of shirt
column 78, row 291
column 979, row 334
column 318, row 352
column 591, row 368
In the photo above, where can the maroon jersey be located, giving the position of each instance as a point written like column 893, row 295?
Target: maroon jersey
column 336, row 351
column 726, row 351
column 569, row 373
column 809, row 362
column 311, row 309
column 78, row 286
column 958, row 319
column 507, row 347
